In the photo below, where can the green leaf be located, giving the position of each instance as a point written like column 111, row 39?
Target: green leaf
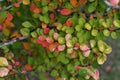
column 51, row 33
column 101, row 59
column 88, row 26
column 101, row 45
column 25, row 31
column 116, row 23
column 54, row 73
column 3, row 61
column 106, row 32
column 3, row 14
column 61, row 40
column 34, row 34
column 5, row 48
column 81, row 21
column 92, row 43
column 36, row 15
column 27, row 24
column 108, row 49
column 94, row 32
column 82, row 72
column 30, row 60
column 92, row 7
column 45, row 9
column 114, row 35
column 70, row 30
column 70, row 67
column 78, row 27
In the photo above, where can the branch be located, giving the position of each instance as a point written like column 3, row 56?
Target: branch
column 111, row 5
column 12, row 5
column 13, row 41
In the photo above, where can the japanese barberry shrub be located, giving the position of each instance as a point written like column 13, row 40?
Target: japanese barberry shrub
column 64, row 38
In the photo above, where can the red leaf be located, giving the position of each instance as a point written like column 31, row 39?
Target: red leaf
column 52, row 15
column 46, row 30
column 9, row 17
column 69, row 22
column 66, row 11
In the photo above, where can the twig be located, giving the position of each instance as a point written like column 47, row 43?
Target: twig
column 13, row 41
column 111, row 5
column 12, row 5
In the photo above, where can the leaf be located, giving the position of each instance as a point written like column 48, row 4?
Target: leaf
column 28, row 67
column 26, row 45
column 54, row 73
column 3, row 14
column 92, row 7
column 82, row 2
column 88, row 26
column 26, row 2
column 34, row 34
column 94, row 32
column 9, row 17
column 53, row 46
column 108, row 49
column 106, row 32
column 35, row 9
column 101, row 45
column 3, row 72
column 25, row 31
column 101, row 59
column 82, row 72
column 27, row 24
column 66, row 11
column 114, row 35
column 116, row 23
column 6, row 31
column 77, row 3
column 74, row 3
column 3, row 61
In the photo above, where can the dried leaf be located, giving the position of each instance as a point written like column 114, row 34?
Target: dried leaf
column 26, row 45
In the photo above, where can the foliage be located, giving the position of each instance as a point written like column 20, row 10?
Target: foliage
column 65, row 38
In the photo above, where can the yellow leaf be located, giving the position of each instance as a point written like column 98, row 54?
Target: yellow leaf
column 6, row 31
column 3, row 61
column 26, row 2
column 1, row 20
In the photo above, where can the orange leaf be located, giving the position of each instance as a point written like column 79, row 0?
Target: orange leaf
column 28, row 67
column 16, row 5
column 53, row 46
column 82, row 2
column 26, row 45
column 34, row 8
column 15, row 35
column 74, row 3
column 44, row 25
